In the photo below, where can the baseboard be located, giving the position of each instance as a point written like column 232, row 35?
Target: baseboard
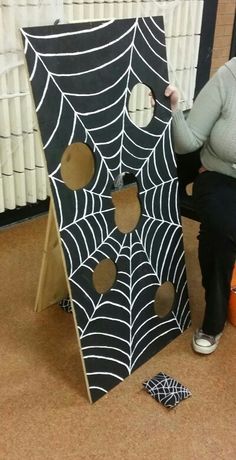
column 22, row 213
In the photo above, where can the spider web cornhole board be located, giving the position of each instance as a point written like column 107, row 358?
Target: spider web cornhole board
column 81, row 77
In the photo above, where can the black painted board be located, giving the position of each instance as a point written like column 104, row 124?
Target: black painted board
column 81, row 77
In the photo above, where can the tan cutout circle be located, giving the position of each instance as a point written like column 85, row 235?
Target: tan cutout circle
column 127, row 207
column 189, row 189
column 164, row 299
column 141, row 105
column 77, row 166
column 104, row 276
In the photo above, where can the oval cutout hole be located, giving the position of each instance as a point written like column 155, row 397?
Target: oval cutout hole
column 141, row 105
column 77, row 166
column 104, row 276
column 164, row 299
column 189, row 189
column 126, row 201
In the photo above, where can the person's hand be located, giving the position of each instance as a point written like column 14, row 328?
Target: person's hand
column 202, row 169
column 173, row 93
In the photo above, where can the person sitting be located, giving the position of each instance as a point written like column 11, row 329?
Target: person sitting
column 211, row 126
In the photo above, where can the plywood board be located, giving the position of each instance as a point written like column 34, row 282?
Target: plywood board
column 82, row 76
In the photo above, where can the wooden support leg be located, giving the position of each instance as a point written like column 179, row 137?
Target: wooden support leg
column 52, row 285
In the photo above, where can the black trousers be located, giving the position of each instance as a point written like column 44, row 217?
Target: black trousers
column 215, row 201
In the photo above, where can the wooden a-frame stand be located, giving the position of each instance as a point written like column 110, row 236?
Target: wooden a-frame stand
column 53, row 285
column 53, row 282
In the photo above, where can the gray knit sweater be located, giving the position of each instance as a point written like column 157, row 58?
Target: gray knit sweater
column 211, row 123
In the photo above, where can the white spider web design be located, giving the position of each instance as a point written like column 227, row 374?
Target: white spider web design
column 81, row 77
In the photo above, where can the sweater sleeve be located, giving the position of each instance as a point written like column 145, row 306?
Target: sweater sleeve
column 191, row 133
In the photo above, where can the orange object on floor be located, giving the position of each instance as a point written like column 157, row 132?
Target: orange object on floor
column 232, row 300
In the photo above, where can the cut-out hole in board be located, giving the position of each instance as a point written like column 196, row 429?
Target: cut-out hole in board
column 104, row 276
column 141, row 105
column 164, row 299
column 126, row 201
column 77, row 166
column 189, row 189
